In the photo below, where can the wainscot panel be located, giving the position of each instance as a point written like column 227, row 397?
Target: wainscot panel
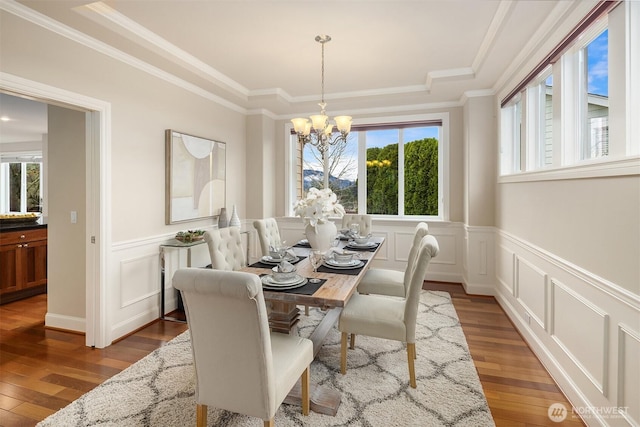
column 531, row 290
column 398, row 234
column 591, row 343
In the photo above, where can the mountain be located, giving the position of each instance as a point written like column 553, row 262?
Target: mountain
column 309, row 176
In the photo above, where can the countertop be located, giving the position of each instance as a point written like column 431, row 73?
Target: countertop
column 40, row 223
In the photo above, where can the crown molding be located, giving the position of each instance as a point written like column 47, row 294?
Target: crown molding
column 552, row 22
column 65, row 31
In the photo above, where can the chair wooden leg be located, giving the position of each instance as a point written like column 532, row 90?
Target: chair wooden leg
column 411, row 355
column 343, row 354
column 353, row 342
column 269, row 423
column 201, row 415
column 305, row 392
column 306, row 310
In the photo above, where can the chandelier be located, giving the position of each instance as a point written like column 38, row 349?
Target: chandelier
column 322, row 137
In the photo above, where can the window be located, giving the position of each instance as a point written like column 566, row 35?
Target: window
column 391, row 168
column 511, row 127
column 558, row 116
column 21, row 189
column 594, row 97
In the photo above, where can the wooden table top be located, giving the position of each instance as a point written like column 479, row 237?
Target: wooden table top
column 335, row 292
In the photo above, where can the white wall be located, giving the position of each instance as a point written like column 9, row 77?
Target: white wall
column 66, row 240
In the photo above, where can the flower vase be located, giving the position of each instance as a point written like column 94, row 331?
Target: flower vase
column 222, row 219
column 322, row 235
column 234, row 221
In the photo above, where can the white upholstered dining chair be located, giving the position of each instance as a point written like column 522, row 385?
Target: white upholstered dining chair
column 364, row 221
column 383, row 317
column 225, row 248
column 240, row 366
column 395, row 283
column 268, row 234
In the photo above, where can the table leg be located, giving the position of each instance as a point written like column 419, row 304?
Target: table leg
column 323, row 400
column 283, row 317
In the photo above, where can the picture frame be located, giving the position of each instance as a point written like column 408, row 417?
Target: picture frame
column 195, row 182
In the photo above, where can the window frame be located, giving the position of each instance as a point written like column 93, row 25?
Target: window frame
column 23, row 160
column 390, row 121
column 568, row 145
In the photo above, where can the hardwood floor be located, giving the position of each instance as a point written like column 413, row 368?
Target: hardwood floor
column 42, row 370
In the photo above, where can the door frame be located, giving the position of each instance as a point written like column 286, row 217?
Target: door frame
column 98, row 194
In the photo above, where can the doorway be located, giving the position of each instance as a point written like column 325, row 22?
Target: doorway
column 96, row 234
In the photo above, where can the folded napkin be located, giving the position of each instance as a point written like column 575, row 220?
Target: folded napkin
column 286, row 267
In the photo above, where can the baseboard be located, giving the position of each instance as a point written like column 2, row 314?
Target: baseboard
column 478, row 288
column 133, row 323
column 68, row 323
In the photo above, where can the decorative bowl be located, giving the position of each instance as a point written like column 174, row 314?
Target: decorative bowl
column 343, row 258
column 280, row 276
column 190, row 236
column 361, row 240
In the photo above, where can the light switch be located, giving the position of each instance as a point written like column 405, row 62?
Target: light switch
column 74, row 217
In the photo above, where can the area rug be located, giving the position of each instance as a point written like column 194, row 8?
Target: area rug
column 159, row 389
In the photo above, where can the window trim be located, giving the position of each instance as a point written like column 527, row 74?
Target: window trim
column 440, row 118
column 594, row 168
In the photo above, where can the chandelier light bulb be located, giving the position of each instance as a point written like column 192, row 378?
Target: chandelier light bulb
column 322, row 137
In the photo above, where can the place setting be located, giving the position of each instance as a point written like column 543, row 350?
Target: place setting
column 341, row 262
column 276, row 256
column 284, row 277
column 362, row 243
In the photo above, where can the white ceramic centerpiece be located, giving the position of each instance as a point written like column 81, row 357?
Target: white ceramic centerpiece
column 315, row 209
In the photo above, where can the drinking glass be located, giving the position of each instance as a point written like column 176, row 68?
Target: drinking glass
column 354, row 229
column 316, row 258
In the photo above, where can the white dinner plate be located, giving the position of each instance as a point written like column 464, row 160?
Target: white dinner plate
column 351, row 264
column 284, row 288
column 270, row 281
column 362, row 245
column 270, row 260
column 344, row 266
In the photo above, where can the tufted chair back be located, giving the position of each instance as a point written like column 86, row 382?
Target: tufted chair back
column 422, row 229
column 427, row 249
column 268, row 233
column 225, row 248
column 363, row 220
column 239, row 364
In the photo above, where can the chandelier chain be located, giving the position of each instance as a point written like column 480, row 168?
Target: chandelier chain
column 322, row 71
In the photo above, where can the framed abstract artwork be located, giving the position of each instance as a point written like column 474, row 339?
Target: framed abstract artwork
column 195, row 177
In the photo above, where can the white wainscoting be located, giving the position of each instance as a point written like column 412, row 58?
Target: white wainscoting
column 584, row 329
column 479, row 260
column 398, row 235
column 133, row 291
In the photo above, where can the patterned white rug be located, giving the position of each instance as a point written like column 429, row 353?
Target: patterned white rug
column 159, row 389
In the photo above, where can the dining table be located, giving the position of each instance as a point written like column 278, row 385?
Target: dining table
column 336, row 286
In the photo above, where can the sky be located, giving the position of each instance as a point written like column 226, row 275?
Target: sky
column 598, row 65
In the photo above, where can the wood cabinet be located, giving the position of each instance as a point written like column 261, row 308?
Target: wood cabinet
column 23, row 263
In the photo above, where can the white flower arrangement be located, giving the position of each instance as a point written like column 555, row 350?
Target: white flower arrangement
column 316, row 207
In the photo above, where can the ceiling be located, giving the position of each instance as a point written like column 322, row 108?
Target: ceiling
column 261, row 55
